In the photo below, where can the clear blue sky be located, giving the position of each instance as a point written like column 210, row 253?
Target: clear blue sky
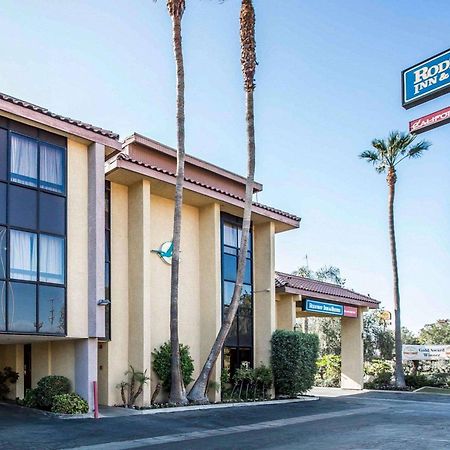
column 328, row 82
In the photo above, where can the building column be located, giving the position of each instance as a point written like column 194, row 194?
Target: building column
column 264, row 290
column 139, row 344
column 286, row 312
column 86, row 368
column 210, row 289
column 352, row 352
column 96, row 239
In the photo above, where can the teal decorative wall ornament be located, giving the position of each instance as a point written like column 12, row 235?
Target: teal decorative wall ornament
column 165, row 252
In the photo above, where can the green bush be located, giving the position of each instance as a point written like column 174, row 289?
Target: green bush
column 7, row 376
column 328, row 371
column 380, row 373
column 48, row 387
column 417, row 381
column 29, row 400
column 69, row 404
column 294, row 358
column 161, row 364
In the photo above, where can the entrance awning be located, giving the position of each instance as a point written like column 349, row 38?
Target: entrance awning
column 294, row 284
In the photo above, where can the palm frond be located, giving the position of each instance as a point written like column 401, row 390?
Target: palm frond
column 380, row 146
column 405, row 140
column 416, row 150
column 370, row 156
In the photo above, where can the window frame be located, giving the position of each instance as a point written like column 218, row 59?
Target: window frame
column 237, row 221
column 41, row 136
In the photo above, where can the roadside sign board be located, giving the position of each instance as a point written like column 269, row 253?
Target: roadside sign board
column 426, row 352
column 426, row 80
column 430, row 121
column 321, row 307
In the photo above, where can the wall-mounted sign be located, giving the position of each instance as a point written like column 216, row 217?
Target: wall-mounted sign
column 426, row 80
column 350, row 311
column 165, row 252
column 426, row 352
column 430, row 121
column 323, row 308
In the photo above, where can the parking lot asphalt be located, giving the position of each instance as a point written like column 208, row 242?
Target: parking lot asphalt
column 370, row 420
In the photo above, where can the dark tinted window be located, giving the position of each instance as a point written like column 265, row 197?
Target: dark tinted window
column 22, row 207
column 23, row 160
column 51, row 259
column 52, row 168
column 22, row 307
column 52, row 217
column 3, row 153
column 22, row 255
column 51, row 310
column 229, row 267
column 232, row 335
column 2, row 305
column 2, row 253
column 2, row 203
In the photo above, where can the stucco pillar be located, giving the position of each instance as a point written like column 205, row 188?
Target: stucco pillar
column 96, row 239
column 286, row 313
column 264, row 290
column 86, row 369
column 210, row 289
column 139, row 249
column 352, row 352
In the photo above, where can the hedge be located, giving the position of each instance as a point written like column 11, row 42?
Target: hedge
column 294, row 358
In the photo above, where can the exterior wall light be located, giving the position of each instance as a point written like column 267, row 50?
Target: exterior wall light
column 103, row 302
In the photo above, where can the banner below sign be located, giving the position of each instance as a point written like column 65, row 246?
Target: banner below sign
column 426, row 352
column 430, row 121
column 426, row 80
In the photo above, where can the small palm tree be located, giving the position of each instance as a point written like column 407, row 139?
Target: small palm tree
column 248, row 65
column 386, row 155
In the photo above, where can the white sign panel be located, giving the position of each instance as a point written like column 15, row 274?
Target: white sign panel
column 426, row 352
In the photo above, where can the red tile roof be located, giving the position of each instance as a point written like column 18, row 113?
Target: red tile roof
column 40, row 109
column 126, row 157
column 307, row 285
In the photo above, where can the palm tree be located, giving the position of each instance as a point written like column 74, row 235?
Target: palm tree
column 386, row 155
column 177, row 390
column 248, row 63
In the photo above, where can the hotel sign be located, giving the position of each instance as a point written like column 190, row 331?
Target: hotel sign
column 426, row 352
column 426, row 80
column 430, row 121
column 317, row 306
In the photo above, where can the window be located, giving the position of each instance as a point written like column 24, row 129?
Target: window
column 23, row 157
column 2, row 203
column 32, row 231
column 22, row 307
column 3, row 154
column 23, row 255
column 51, row 164
column 51, row 259
column 239, row 343
column 52, row 317
column 22, row 207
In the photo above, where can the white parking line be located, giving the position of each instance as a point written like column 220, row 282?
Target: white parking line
column 167, row 439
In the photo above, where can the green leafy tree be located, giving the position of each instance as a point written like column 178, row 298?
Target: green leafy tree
column 408, row 337
column 436, row 333
column 378, row 338
column 386, row 155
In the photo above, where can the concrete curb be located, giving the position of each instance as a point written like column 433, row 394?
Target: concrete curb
column 138, row 412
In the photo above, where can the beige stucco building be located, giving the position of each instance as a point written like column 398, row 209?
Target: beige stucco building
column 85, row 231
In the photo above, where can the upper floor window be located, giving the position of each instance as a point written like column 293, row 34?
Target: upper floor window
column 34, row 163
column 32, row 231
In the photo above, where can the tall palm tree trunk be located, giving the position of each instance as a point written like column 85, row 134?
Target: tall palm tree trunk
column 399, row 375
column 248, row 61
column 177, row 391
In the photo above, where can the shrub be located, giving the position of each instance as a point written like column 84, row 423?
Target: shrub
column 132, row 389
column 48, row 387
column 29, row 400
column 69, row 404
column 417, row 381
column 161, row 364
column 380, row 373
column 7, row 376
column 294, row 357
column 328, row 371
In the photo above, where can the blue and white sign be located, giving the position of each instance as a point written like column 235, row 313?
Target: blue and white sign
column 426, row 80
column 323, row 308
